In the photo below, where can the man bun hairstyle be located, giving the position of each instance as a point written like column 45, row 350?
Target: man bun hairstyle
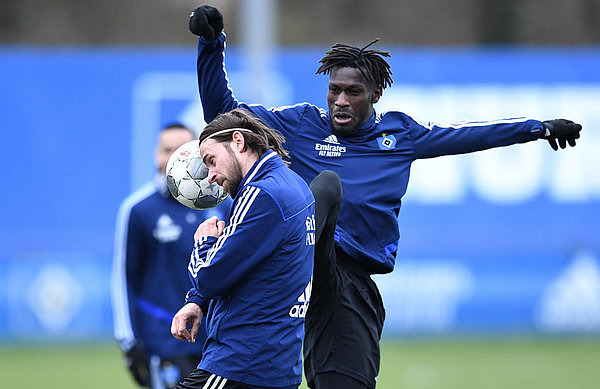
column 370, row 63
column 259, row 138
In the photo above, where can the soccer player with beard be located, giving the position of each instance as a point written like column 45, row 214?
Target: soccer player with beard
column 251, row 273
column 372, row 153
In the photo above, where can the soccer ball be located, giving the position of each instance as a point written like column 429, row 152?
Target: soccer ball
column 187, row 179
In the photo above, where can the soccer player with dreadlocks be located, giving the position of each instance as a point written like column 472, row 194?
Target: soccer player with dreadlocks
column 372, row 153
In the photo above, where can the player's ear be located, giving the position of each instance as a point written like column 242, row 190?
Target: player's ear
column 238, row 140
column 376, row 95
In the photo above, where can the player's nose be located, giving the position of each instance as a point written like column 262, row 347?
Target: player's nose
column 342, row 100
column 212, row 176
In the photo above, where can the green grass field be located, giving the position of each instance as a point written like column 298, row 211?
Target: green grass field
column 411, row 364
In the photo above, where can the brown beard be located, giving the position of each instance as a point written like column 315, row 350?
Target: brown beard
column 235, row 170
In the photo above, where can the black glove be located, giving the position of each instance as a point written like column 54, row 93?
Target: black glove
column 207, row 22
column 562, row 130
column 137, row 363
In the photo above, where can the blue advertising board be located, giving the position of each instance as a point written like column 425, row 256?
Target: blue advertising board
column 501, row 241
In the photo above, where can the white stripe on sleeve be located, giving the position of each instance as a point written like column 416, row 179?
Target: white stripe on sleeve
column 239, row 212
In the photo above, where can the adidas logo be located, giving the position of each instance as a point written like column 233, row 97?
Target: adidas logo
column 331, row 139
column 299, row 310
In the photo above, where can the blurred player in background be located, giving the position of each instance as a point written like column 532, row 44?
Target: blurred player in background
column 149, row 277
column 372, row 153
column 251, row 275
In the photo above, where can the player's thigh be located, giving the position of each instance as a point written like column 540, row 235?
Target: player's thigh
column 348, row 342
column 335, row 380
column 326, row 188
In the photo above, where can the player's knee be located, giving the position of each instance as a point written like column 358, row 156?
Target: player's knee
column 327, row 187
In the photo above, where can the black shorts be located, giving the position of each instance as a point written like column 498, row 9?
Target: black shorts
column 202, row 379
column 344, row 321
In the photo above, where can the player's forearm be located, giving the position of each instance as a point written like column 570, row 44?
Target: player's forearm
column 208, row 273
column 215, row 94
column 439, row 140
column 213, row 271
column 218, row 264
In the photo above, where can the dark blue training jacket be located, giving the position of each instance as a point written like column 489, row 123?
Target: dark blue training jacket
column 256, row 279
column 373, row 165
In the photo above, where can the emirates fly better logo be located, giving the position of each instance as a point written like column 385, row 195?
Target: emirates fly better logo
column 331, row 148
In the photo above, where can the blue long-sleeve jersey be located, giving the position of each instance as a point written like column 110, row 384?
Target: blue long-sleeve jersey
column 256, row 278
column 154, row 234
column 374, row 164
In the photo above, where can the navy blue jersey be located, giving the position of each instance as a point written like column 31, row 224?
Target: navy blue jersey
column 374, row 164
column 154, row 235
column 256, row 279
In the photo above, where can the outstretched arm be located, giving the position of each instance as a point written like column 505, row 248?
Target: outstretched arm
column 215, row 94
column 432, row 140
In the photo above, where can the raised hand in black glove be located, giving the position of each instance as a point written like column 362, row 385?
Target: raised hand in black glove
column 137, row 363
column 561, row 130
column 207, row 22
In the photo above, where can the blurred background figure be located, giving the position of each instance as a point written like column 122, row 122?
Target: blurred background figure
column 153, row 241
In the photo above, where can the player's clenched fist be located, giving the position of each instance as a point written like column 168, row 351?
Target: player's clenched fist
column 206, row 21
column 189, row 313
column 209, row 227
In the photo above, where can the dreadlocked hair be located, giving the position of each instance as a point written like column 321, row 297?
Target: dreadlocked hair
column 370, row 63
column 260, row 138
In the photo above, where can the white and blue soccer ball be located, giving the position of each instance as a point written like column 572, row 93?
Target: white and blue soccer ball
column 187, row 179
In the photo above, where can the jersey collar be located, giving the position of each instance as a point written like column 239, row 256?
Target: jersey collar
column 267, row 162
